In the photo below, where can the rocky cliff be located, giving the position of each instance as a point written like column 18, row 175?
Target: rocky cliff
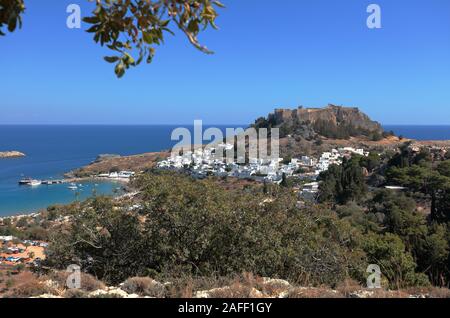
column 337, row 115
column 334, row 122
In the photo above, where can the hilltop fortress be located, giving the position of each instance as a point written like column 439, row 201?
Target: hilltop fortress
column 337, row 115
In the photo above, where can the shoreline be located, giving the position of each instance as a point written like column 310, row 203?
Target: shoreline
column 36, row 212
column 87, row 179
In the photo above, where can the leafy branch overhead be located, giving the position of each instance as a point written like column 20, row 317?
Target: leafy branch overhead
column 134, row 28
column 10, row 14
column 128, row 26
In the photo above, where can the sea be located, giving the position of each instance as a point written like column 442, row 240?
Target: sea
column 52, row 151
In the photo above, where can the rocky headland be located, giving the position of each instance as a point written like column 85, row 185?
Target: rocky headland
column 110, row 163
column 11, row 154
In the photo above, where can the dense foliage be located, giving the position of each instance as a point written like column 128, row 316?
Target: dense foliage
column 197, row 228
column 399, row 220
column 343, row 183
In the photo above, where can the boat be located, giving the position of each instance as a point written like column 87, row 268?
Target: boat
column 72, row 187
column 25, row 181
column 35, row 183
column 30, row 182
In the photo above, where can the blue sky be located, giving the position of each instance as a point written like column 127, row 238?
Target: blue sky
column 268, row 54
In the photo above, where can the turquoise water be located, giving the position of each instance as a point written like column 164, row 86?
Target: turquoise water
column 38, row 197
column 54, row 150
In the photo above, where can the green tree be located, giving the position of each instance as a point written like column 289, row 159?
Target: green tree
column 329, row 184
column 444, row 168
column 104, row 240
column 396, row 263
column 359, row 218
column 400, row 217
column 433, row 255
column 427, row 181
column 348, row 182
column 371, row 162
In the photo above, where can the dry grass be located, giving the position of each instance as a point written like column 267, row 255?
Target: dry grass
column 381, row 293
column 239, row 286
column 186, row 287
column 140, row 162
column 245, row 285
column 144, row 286
column 314, row 293
column 432, row 292
column 235, row 290
column 75, row 293
column 25, row 285
column 347, row 287
column 88, row 282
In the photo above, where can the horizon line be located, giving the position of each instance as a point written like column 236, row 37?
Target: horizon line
column 175, row 124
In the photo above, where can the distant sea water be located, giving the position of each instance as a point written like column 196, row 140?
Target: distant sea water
column 52, row 151
column 420, row 132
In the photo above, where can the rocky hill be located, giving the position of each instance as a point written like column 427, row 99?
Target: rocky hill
column 310, row 131
column 331, row 122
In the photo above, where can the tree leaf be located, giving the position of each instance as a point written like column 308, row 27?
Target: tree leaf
column 111, row 59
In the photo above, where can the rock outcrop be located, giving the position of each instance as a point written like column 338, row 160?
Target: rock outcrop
column 11, row 154
column 334, row 122
column 337, row 115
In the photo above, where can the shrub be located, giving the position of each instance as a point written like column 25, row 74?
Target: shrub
column 88, row 282
column 236, row 290
column 396, row 264
column 28, row 289
column 144, row 286
column 196, row 228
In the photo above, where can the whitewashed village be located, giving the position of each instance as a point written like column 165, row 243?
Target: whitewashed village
column 204, row 162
